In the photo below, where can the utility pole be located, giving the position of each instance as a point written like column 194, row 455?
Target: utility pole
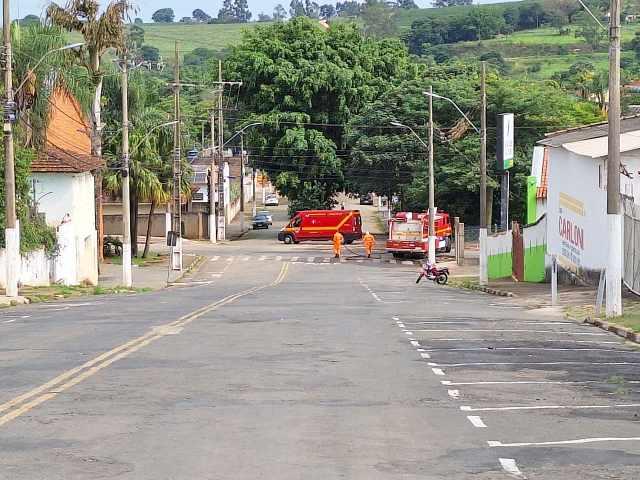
column 253, row 189
column 432, row 208
column 242, row 182
column 126, row 212
column 222, row 216
column 484, row 271
column 614, row 218
column 12, row 232
column 212, row 186
column 176, row 251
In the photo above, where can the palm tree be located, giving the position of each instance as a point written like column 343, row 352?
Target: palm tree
column 101, row 32
column 57, row 70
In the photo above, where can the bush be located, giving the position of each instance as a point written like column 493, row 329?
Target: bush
column 535, row 68
column 35, row 233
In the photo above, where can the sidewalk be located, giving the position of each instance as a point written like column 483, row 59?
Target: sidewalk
column 154, row 276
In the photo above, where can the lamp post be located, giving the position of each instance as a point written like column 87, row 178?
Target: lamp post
column 483, row 171
column 432, row 209
column 12, row 232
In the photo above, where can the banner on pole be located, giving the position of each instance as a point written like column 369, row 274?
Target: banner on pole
column 505, row 147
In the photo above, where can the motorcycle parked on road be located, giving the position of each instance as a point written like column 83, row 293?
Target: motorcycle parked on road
column 434, row 273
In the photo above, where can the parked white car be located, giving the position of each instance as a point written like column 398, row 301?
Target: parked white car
column 272, row 201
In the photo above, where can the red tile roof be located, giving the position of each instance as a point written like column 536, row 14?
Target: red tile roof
column 56, row 160
column 542, row 189
column 68, row 143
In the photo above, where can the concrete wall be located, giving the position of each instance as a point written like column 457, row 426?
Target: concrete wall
column 70, row 197
column 535, row 251
column 500, row 263
column 35, row 269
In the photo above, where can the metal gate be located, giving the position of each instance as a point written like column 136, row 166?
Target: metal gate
column 517, row 252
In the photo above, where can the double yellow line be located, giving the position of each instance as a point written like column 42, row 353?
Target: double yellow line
column 31, row 399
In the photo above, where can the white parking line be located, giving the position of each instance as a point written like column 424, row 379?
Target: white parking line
column 425, row 355
column 476, row 421
column 415, row 344
column 466, row 408
column 495, row 330
column 493, row 340
column 406, row 333
column 494, row 443
column 509, row 465
column 229, row 259
column 524, row 382
column 454, row 394
column 437, row 371
column 473, row 364
column 551, row 349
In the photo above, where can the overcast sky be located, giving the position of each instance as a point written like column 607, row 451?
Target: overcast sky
column 182, row 8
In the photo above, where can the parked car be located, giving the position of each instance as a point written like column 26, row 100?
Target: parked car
column 366, row 199
column 260, row 221
column 266, row 214
column 272, row 201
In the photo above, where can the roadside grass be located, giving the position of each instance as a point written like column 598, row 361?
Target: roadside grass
column 59, row 292
column 152, row 259
column 464, row 282
column 630, row 317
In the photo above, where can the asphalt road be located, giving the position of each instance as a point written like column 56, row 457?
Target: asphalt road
column 266, row 364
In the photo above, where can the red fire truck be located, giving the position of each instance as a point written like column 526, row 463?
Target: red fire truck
column 322, row 225
column 409, row 233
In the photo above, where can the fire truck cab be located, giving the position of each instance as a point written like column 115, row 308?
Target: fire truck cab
column 409, row 234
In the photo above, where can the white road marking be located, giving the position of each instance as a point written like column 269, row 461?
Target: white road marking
column 514, row 331
column 395, row 318
column 438, row 371
column 466, row 408
column 216, row 275
column 415, row 344
column 359, row 261
column 215, row 258
column 476, row 421
column 493, row 340
column 245, row 259
column 552, row 349
column 229, row 259
column 294, row 259
column 311, row 259
column 524, row 382
column 420, row 349
column 471, row 364
column 278, row 258
column 462, row 322
column 10, row 321
column 509, row 465
column 494, row 443
column 262, row 258
column 392, row 261
column 326, row 260
column 401, row 325
column 425, row 355
column 408, row 333
column 407, row 262
column 454, row 393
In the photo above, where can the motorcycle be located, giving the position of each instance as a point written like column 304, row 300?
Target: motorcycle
column 434, row 273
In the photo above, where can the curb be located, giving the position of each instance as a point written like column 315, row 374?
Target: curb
column 623, row 332
column 489, row 290
column 195, row 265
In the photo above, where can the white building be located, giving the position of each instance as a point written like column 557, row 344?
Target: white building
column 576, row 192
column 64, row 191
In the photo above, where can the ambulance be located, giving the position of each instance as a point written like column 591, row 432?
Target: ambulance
column 312, row 225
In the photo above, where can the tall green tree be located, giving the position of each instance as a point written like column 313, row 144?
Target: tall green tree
column 304, row 84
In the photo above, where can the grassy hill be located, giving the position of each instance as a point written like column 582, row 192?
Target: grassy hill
column 215, row 37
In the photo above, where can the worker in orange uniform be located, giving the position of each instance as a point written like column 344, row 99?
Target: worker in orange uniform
column 369, row 242
column 338, row 240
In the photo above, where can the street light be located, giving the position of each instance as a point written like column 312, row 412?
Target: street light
column 127, row 278
column 71, row 46
column 241, row 133
column 433, row 95
column 432, row 208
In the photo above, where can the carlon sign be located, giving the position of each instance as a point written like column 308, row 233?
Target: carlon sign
column 505, row 148
column 572, row 237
